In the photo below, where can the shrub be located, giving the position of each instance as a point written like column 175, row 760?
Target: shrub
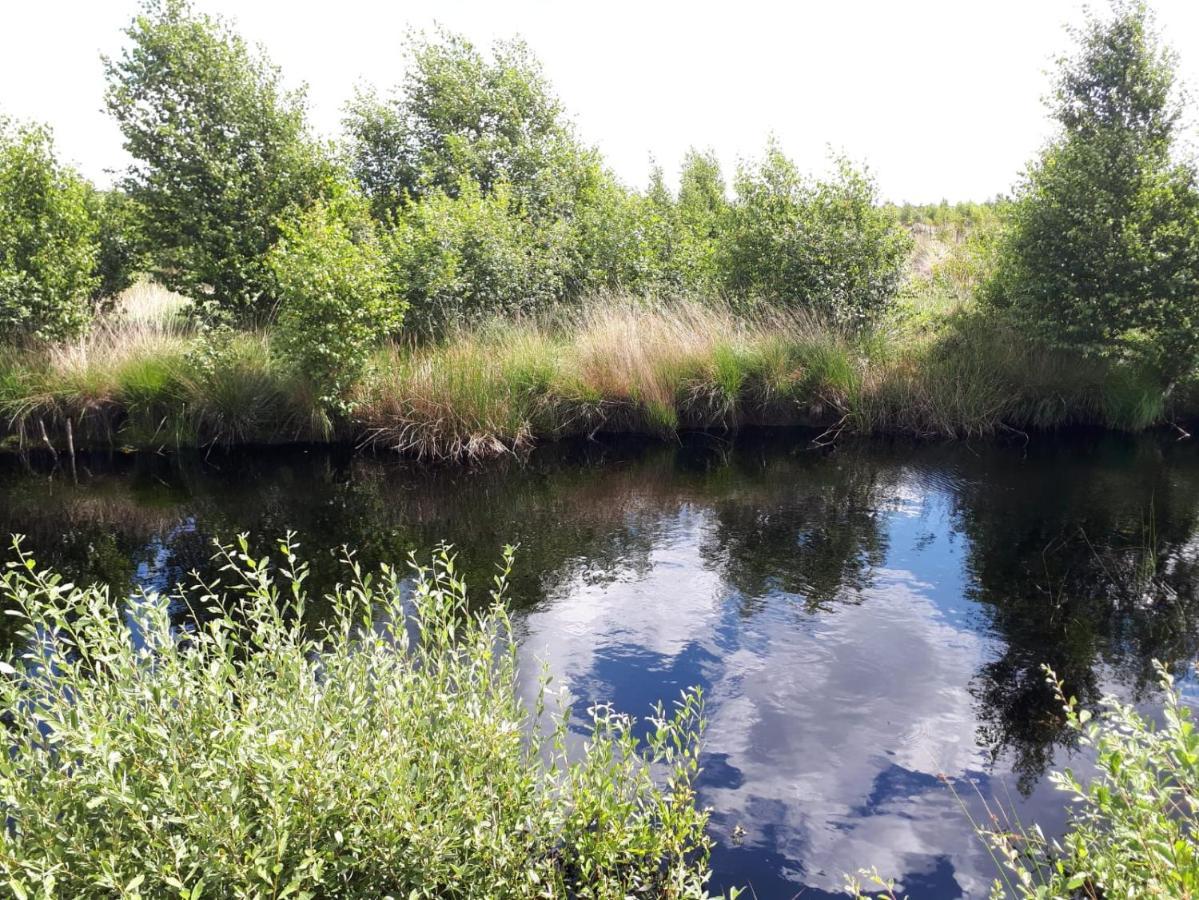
column 1102, row 250
column 457, row 259
column 221, row 151
column 335, row 297
column 385, row 753
column 48, row 245
column 622, row 240
column 702, row 217
column 122, row 254
column 820, row 245
column 1134, row 826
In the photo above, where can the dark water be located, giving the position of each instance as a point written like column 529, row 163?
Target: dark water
column 867, row 624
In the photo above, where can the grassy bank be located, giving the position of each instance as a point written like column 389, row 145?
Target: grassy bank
column 936, row 368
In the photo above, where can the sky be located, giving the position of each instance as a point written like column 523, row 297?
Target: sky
column 939, row 98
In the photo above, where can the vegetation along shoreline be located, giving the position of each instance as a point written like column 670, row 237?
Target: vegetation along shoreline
column 461, row 275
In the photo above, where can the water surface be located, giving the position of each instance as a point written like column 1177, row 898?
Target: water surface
column 867, row 623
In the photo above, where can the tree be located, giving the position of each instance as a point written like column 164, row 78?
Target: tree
column 48, row 245
column 1101, row 251
column 462, row 257
column 820, row 245
column 122, row 251
column 221, row 151
column 702, row 216
column 461, row 115
column 336, row 299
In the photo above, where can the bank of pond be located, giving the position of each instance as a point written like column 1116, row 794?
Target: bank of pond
column 614, row 367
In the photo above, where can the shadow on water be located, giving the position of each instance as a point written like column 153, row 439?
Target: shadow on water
column 867, row 623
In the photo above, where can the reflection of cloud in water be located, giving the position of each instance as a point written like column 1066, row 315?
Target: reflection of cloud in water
column 827, row 732
column 676, row 602
column 844, row 729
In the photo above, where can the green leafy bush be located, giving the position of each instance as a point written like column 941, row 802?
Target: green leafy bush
column 220, row 148
column 461, row 258
column 821, row 245
column 336, row 300
column 121, row 256
column 48, row 245
column 701, row 216
column 1102, row 249
column 385, row 753
column 622, row 240
column 1134, row 826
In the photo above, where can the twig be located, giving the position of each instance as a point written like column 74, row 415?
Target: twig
column 46, row 439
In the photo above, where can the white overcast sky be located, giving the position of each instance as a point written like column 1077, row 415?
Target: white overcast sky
column 941, row 98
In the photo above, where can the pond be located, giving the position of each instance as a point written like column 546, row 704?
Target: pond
column 867, row 622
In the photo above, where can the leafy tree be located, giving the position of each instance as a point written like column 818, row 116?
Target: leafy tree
column 335, row 297
column 221, row 151
column 623, row 240
column 459, row 116
column 1102, row 248
column 821, row 245
column 458, row 258
column 48, row 246
column 122, row 252
column 702, row 217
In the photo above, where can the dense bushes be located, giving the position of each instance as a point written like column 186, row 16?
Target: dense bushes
column 48, row 239
column 819, row 245
column 460, row 258
column 1102, row 248
column 505, row 211
column 387, row 753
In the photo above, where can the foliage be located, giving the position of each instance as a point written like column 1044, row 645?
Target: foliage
column 458, row 258
column 821, row 245
column 335, row 298
column 48, row 244
column 1102, row 249
column 386, row 753
column 122, row 253
column 701, row 213
column 464, row 117
column 220, row 150
column 1134, row 825
column 622, row 240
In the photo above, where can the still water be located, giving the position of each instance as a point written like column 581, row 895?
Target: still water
column 867, row 623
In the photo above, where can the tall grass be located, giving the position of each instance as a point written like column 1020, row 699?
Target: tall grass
column 386, row 753
column 613, row 365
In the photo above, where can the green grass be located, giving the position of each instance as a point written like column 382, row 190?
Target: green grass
column 937, row 370
column 385, row 753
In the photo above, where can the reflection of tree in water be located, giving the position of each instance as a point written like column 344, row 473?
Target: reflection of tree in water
column 1052, row 540
column 803, row 525
column 571, row 524
column 1059, row 553
column 817, row 538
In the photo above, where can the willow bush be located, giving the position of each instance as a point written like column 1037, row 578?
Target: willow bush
column 1133, row 825
column 386, row 752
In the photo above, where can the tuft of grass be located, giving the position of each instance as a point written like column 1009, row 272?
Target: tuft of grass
column 386, row 753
